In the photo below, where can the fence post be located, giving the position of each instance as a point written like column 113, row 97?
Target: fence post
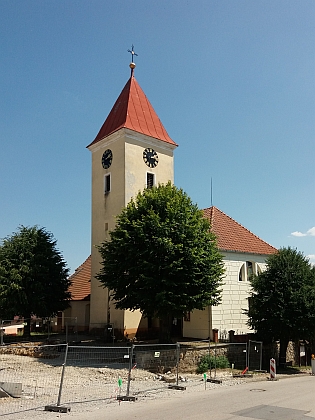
column 130, row 368
column 178, row 387
column 1, row 332
column 177, row 361
column 248, row 355
column 215, row 359
column 57, row 407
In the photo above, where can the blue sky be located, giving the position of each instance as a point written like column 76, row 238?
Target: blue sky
column 232, row 82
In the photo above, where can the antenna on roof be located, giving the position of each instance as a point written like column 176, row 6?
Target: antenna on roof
column 132, row 64
column 211, row 192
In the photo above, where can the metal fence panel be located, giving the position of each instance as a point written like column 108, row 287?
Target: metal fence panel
column 95, row 373
column 153, row 361
column 237, row 355
column 255, row 355
column 157, row 358
column 29, row 376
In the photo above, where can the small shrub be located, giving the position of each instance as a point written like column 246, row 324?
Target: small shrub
column 209, row 362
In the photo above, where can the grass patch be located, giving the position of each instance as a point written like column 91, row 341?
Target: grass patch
column 209, row 362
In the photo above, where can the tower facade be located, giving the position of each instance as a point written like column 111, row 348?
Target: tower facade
column 131, row 152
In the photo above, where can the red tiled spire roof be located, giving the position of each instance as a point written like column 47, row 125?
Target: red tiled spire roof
column 232, row 236
column 81, row 281
column 133, row 110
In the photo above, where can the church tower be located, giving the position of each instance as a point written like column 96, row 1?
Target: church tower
column 131, row 152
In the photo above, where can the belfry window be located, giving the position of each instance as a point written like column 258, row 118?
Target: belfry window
column 107, row 183
column 150, row 180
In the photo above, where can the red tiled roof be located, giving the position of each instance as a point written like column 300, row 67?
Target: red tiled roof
column 133, row 110
column 81, row 281
column 231, row 236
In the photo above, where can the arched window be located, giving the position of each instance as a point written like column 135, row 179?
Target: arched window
column 247, row 270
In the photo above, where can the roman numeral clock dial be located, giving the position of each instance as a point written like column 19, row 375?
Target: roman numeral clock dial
column 150, row 158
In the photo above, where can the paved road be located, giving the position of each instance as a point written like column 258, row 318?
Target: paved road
column 287, row 399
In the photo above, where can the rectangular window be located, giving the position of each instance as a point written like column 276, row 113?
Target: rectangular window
column 107, row 183
column 150, row 180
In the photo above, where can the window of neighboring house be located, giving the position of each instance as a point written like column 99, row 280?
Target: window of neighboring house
column 107, row 183
column 150, row 180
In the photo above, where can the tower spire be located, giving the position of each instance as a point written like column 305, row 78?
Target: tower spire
column 132, row 65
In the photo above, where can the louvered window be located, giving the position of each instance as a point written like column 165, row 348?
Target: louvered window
column 150, row 180
column 107, row 184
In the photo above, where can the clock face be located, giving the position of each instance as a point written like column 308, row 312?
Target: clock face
column 150, row 157
column 107, row 158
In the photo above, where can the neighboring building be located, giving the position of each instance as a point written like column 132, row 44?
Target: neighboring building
column 133, row 151
column 78, row 314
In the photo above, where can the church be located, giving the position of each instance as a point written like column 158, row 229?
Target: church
column 133, row 151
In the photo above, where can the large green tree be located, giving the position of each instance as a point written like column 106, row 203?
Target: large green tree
column 282, row 302
column 33, row 275
column 162, row 257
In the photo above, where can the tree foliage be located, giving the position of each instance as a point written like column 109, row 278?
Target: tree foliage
column 282, row 303
column 33, row 275
column 162, row 257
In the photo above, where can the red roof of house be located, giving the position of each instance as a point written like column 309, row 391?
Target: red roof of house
column 232, row 236
column 81, row 281
column 133, row 110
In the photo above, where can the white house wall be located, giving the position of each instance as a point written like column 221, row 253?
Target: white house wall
column 229, row 314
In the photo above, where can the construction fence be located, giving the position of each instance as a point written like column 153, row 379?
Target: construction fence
column 60, row 375
column 240, row 355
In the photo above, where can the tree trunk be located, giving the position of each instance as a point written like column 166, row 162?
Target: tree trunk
column 283, row 352
column 165, row 329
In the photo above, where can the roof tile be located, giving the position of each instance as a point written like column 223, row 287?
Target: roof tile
column 232, row 236
column 81, row 281
column 133, row 110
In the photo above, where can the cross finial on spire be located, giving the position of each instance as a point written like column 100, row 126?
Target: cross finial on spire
column 132, row 64
column 132, row 53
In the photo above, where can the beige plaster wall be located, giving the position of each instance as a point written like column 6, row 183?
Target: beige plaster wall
column 132, row 322
column 128, row 174
column 78, row 310
column 199, row 324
